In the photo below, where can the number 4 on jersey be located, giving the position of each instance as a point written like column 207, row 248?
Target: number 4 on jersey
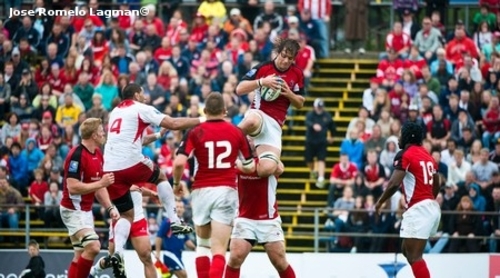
column 428, row 172
column 115, row 126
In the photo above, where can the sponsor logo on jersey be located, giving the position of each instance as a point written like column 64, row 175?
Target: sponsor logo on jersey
column 251, row 72
column 73, row 166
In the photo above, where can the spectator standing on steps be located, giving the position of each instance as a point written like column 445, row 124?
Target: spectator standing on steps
column 356, row 24
column 318, row 123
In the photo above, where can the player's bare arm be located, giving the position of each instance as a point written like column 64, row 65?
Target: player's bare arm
column 76, row 187
column 392, row 187
column 102, row 197
column 296, row 100
column 436, row 184
column 179, row 163
column 247, row 86
column 180, row 123
column 150, row 138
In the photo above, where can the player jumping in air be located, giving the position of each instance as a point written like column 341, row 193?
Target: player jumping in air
column 265, row 119
column 215, row 145
column 415, row 169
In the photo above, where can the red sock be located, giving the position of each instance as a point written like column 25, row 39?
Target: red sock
column 232, row 272
column 420, row 269
column 202, row 266
column 287, row 273
column 217, row 267
column 84, row 267
column 73, row 268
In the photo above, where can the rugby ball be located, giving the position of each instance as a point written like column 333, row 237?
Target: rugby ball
column 269, row 94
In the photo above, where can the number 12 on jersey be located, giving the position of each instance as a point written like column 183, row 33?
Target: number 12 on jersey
column 428, row 172
column 215, row 158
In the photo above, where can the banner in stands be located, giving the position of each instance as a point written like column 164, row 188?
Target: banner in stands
column 324, row 265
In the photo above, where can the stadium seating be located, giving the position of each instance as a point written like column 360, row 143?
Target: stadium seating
column 340, row 83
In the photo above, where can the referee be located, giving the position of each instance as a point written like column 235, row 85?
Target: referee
column 318, row 123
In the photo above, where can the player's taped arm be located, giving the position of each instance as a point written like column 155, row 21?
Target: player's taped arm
column 393, row 185
column 247, row 165
column 102, row 197
column 76, row 187
column 180, row 123
column 436, row 184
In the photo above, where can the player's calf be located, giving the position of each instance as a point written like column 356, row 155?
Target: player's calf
column 277, row 255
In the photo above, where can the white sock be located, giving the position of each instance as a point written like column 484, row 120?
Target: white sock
column 96, row 269
column 167, row 199
column 321, row 179
column 122, row 231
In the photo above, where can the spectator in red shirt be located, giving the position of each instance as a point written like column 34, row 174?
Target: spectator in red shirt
column 374, row 174
column 55, row 80
column 38, row 188
column 342, row 175
column 163, row 53
column 305, row 57
column 459, row 46
column 400, row 100
column 491, row 123
column 398, row 41
column 415, row 62
column 390, row 70
column 151, row 18
column 439, row 128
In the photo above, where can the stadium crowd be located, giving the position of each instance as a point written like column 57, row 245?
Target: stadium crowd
column 56, row 72
column 447, row 82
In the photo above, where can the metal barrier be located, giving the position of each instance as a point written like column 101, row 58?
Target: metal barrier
column 317, row 234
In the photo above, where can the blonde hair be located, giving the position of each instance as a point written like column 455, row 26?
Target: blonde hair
column 89, row 127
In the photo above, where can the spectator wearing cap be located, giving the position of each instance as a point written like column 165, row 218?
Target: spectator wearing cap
column 26, row 86
column 27, row 31
column 19, row 64
column 271, row 16
column 460, row 45
column 356, row 24
column 427, row 40
column 28, row 54
column 491, row 123
column 214, row 11
column 55, row 176
column 391, row 69
column 397, row 41
column 441, row 59
column 409, row 26
column 235, row 21
column 318, row 123
column 292, row 24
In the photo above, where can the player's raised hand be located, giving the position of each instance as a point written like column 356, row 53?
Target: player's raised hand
column 378, row 207
column 272, row 81
column 179, row 190
column 108, row 179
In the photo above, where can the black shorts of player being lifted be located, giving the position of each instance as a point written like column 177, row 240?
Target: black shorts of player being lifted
column 125, row 203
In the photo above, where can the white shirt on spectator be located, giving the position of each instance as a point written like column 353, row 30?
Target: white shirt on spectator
column 456, row 173
column 447, row 158
column 368, row 97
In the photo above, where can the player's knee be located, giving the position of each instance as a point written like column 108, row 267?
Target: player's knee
column 253, row 124
column 145, row 257
column 268, row 164
column 278, row 260
column 90, row 243
column 236, row 259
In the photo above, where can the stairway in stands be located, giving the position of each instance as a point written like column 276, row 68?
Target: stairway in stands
column 340, row 83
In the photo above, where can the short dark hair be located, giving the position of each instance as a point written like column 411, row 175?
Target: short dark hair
column 214, row 104
column 411, row 133
column 130, row 90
